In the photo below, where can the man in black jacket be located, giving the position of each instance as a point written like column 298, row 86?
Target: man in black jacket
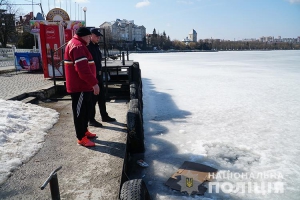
column 97, row 56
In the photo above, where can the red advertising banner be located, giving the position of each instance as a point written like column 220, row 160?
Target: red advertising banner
column 52, row 37
column 68, row 34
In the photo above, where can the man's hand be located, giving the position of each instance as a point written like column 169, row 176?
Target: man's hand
column 96, row 89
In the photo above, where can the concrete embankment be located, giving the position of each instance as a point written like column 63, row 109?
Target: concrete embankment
column 86, row 173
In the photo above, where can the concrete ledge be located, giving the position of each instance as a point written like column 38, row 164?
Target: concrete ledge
column 32, row 100
column 4, row 71
column 42, row 94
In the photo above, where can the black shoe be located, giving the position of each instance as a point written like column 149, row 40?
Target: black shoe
column 108, row 119
column 95, row 123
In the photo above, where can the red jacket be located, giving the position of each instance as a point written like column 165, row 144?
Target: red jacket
column 80, row 69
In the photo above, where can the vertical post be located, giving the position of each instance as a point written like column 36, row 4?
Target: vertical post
column 32, row 10
column 63, row 62
column 123, row 58
column 105, row 65
column 54, row 188
column 53, row 180
column 84, row 10
column 127, row 55
column 53, row 68
column 15, row 60
column 70, row 8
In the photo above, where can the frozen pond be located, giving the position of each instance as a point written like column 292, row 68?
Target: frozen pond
column 238, row 112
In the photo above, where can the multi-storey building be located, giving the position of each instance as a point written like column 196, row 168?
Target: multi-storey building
column 266, row 39
column 7, row 20
column 125, row 30
column 23, row 25
column 7, row 27
column 193, row 36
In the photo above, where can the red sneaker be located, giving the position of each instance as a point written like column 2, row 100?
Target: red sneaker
column 86, row 142
column 89, row 134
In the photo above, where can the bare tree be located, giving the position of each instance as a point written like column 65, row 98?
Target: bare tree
column 108, row 37
column 7, row 22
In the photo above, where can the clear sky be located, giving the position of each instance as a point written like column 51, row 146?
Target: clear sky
column 222, row 19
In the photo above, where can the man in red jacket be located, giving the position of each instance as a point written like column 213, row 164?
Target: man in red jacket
column 81, row 82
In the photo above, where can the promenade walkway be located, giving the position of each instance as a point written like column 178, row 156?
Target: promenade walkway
column 14, row 83
column 87, row 173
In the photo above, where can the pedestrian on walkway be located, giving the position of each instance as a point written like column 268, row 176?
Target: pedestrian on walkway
column 81, row 82
column 97, row 56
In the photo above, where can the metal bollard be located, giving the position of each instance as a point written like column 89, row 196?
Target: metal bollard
column 123, row 58
column 54, row 188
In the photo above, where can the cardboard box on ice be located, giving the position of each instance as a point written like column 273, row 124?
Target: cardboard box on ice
column 190, row 176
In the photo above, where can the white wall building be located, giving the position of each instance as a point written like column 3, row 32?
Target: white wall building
column 125, row 30
column 193, row 36
column 267, row 39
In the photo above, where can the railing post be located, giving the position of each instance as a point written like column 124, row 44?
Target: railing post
column 15, row 60
column 123, row 58
column 53, row 181
column 53, row 68
column 105, row 66
column 54, row 188
column 63, row 63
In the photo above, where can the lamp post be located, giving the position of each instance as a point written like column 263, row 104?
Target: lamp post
column 84, row 10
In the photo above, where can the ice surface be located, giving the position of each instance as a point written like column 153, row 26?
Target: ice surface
column 236, row 111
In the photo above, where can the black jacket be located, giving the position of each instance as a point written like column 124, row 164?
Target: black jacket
column 97, row 57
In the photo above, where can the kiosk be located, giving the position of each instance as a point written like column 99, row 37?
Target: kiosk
column 53, row 33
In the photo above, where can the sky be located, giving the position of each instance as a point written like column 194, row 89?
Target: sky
column 237, row 112
column 217, row 19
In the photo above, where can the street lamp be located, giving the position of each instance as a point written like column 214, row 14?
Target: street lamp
column 84, row 10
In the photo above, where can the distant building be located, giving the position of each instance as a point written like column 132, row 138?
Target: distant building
column 193, row 36
column 125, row 30
column 151, row 38
column 7, row 20
column 266, row 39
column 186, row 40
column 23, row 25
column 249, row 40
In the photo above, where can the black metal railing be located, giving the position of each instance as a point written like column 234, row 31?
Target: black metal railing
column 53, row 182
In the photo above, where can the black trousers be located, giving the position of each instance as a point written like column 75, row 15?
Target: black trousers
column 81, row 102
column 100, row 99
